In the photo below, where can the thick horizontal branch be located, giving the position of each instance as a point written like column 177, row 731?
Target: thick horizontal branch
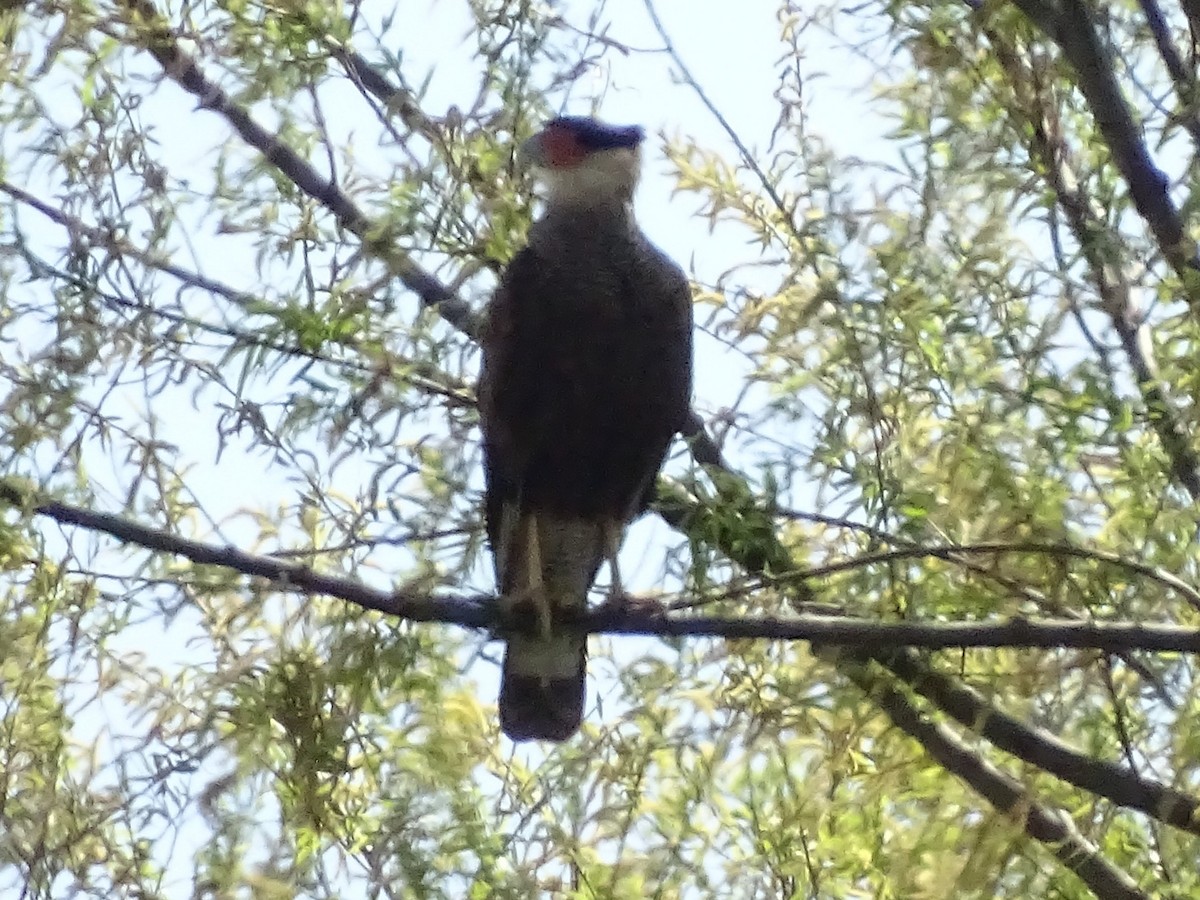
column 417, row 607
column 481, row 611
column 1027, row 633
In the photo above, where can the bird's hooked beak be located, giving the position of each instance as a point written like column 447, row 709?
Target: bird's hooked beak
column 532, row 153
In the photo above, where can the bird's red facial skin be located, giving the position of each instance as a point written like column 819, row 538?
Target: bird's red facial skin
column 561, row 148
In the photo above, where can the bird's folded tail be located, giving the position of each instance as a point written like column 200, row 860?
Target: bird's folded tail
column 542, row 688
column 548, row 564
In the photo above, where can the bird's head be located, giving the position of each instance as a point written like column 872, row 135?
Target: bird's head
column 585, row 162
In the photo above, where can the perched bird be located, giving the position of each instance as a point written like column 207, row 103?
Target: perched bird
column 586, row 376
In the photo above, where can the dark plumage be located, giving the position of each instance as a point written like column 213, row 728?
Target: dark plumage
column 587, row 356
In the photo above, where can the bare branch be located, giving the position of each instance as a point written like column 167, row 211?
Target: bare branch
column 417, row 607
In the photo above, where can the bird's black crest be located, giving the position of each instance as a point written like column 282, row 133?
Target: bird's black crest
column 597, row 135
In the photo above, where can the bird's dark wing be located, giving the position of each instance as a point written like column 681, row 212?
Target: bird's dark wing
column 660, row 409
column 533, row 540
column 513, row 389
column 586, row 377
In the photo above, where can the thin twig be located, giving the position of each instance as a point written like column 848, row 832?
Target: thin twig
column 100, row 237
column 1044, row 548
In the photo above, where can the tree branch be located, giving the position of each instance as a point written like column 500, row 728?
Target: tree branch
column 955, row 552
column 749, row 158
column 1119, row 784
column 79, row 231
column 423, row 376
column 374, row 82
column 1048, row 146
column 1185, row 84
column 416, row 606
column 1073, row 29
column 151, row 28
column 481, row 611
column 1050, row 826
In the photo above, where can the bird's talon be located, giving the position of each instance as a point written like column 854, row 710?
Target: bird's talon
column 631, row 605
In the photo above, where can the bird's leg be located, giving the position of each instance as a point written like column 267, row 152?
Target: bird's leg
column 618, row 601
column 611, row 534
column 535, row 587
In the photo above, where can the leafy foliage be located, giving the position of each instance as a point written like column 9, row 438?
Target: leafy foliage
column 976, row 329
